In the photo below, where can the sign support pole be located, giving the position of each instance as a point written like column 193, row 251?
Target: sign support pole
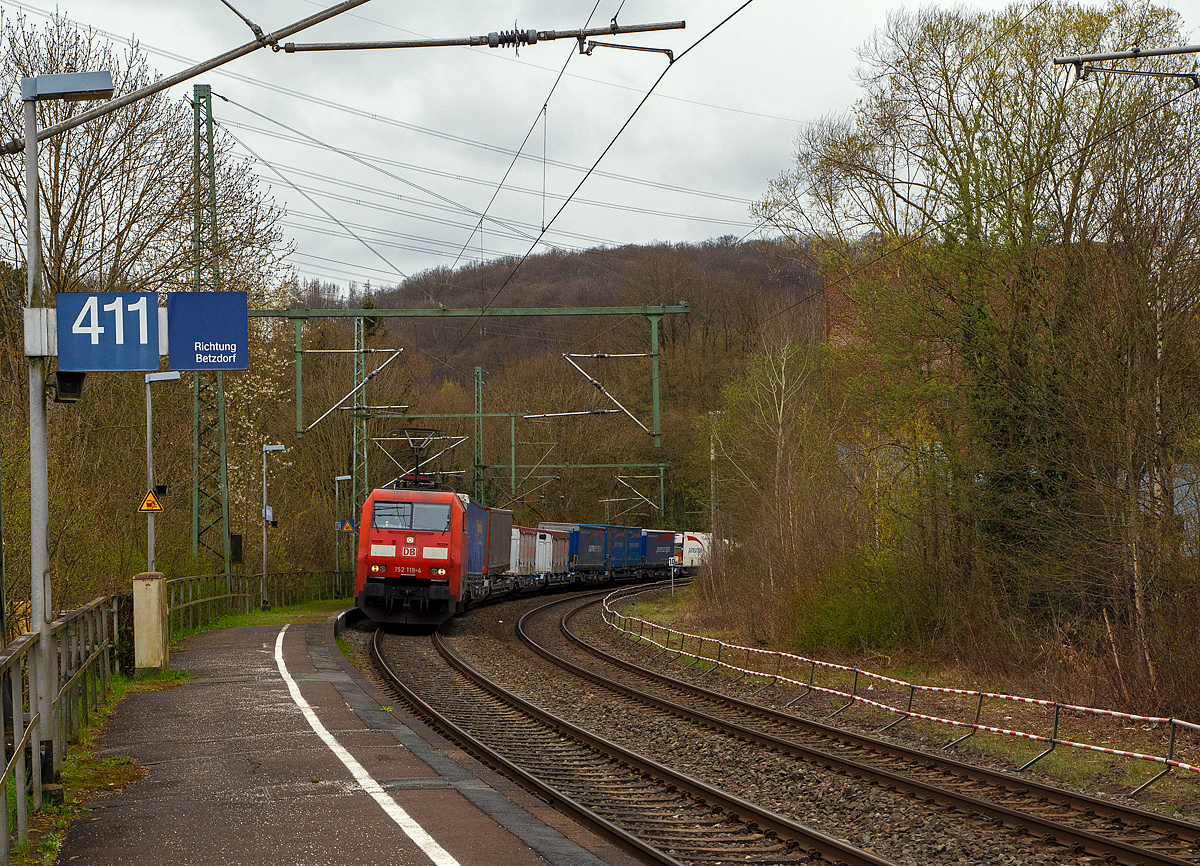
column 149, row 480
column 39, row 474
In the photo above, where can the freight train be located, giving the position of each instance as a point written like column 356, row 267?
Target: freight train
column 425, row 554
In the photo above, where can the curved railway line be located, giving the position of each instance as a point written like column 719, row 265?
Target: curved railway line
column 653, row 801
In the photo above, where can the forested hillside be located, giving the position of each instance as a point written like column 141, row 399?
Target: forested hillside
column 948, row 409
column 97, row 448
column 997, row 451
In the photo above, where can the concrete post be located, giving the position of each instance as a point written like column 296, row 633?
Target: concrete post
column 150, row 621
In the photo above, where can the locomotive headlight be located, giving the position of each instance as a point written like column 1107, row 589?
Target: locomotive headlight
column 377, row 569
column 408, row 539
column 437, row 571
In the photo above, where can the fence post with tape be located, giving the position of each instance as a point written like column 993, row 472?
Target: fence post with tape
column 1053, row 741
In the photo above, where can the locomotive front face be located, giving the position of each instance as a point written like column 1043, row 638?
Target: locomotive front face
column 410, row 562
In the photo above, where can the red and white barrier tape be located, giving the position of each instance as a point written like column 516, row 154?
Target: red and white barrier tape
column 612, row 616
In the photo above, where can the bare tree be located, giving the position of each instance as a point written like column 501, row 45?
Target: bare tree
column 117, row 193
column 1014, row 252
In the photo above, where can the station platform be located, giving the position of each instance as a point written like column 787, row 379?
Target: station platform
column 279, row 751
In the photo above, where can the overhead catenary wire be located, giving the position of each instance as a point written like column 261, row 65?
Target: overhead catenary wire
column 455, row 176
column 317, row 205
column 525, row 141
column 376, row 117
column 351, row 156
column 1034, row 7
column 464, row 178
column 603, row 153
column 599, row 387
column 635, row 490
column 495, row 56
column 355, row 389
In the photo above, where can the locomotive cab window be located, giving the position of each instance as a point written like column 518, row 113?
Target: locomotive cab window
column 419, row 516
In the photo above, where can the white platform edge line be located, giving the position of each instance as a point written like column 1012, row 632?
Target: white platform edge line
column 404, row 821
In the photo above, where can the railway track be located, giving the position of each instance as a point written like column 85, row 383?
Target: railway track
column 1102, row 829
column 681, row 819
column 649, row 809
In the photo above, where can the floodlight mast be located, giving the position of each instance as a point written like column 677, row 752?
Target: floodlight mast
column 47, row 737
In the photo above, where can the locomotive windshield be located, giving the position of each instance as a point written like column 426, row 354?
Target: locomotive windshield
column 419, row 516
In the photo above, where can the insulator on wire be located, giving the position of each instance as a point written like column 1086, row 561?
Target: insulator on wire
column 505, row 38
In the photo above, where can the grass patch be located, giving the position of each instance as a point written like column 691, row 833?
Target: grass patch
column 670, row 609
column 305, row 612
column 85, row 775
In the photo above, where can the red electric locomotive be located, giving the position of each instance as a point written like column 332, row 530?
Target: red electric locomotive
column 423, row 555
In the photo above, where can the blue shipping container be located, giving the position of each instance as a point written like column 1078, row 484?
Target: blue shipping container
column 658, row 548
column 633, row 546
column 476, row 538
column 591, row 548
column 618, row 547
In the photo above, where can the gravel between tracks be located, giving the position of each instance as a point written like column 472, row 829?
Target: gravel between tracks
column 885, row 822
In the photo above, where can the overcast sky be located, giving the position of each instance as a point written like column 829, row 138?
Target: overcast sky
column 428, row 134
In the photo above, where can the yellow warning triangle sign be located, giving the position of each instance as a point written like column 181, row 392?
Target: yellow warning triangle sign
column 149, row 504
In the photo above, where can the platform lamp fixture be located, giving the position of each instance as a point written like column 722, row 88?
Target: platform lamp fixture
column 337, row 537
column 70, row 87
column 268, row 518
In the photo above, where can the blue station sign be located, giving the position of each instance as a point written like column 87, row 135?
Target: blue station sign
column 207, row 331
column 107, row 331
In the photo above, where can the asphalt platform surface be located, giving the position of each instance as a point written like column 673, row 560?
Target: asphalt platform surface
column 237, row 774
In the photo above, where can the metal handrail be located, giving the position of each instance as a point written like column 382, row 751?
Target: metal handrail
column 197, row 601
column 84, row 642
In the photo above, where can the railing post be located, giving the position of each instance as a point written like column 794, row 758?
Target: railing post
column 93, row 646
column 853, row 695
column 908, row 710
column 106, row 686
column 16, row 693
column 716, row 662
column 1167, row 769
column 1053, row 740
column 746, row 669
column 812, row 672
column 64, row 718
column 774, row 679
column 116, row 635
column 33, row 657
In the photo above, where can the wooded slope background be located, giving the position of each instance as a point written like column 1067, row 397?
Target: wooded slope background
column 949, row 399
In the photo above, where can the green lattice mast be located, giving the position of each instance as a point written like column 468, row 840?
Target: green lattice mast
column 360, row 484
column 210, row 467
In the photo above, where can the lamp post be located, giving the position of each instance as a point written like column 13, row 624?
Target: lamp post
column 262, row 582
column 337, row 538
column 152, row 377
column 72, row 87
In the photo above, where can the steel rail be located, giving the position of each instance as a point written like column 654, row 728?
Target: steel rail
column 1164, row 824
column 1093, row 843
column 813, row 841
column 604, row 828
